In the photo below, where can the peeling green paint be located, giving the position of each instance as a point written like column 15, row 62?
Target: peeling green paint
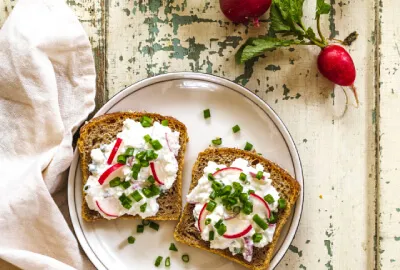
column 308, row 241
column 373, row 116
column 398, row 209
column 329, row 266
column 397, row 238
column 244, row 78
column 178, row 20
column 296, row 250
column 392, row 260
column 154, row 5
column 332, row 25
column 302, row 267
column 127, row 11
column 286, row 92
column 230, row 41
column 328, row 246
column 273, row 68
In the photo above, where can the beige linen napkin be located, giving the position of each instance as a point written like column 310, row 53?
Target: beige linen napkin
column 47, row 89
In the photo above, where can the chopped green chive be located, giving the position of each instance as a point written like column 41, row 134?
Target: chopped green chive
column 281, row 203
column 272, row 219
column 237, row 209
column 211, row 206
column 243, row 197
column 144, row 163
column 208, row 221
column 213, row 195
column 147, row 192
column 248, row 146
column 167, row 262
column 210, row 177
column 151, row 179
column 185, row 258
column 147, row 138
column 260, row 222
column 269, row 199
column 237, row 186
column 236, row 129
column 257, row 237
column 216, row 185
column 125, row 201
column 211, row 235
column 251, row 191
column 154, row 225
column 226, row 190
column 156, row 144
column 155, row 190
column 217, row 141
column 158, row 261
column 145, row 222
column 115, row 182
column 129, row 151
column 146, row 121
column 121, row 159
column 243, row 176
column 136, row 196
column 126, row 184
column 259, row 175
column 143, row 207
column 207, row 113
column 131, row 239
column 247, row 208
column 173, row 247
column 141, row 155
column 140, row 228
column 221, row 229
column 165, row 123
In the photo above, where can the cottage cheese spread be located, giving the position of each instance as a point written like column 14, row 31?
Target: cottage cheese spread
column 241, row 231
column 127, row 195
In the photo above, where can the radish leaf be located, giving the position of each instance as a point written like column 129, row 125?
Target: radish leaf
column 322, row 8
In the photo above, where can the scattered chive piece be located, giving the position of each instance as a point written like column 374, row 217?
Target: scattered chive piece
column 281, row 203
column 151, row 179
column 236, row 209
column 257, row 237
column 146, row 121
column 147, row 138
column 243, row 197
column 147, row 192
column 208, row 221
column 140, row 228
column 211, row 206
column 248, row 146
column 269, row 199
column 207, row 113
column 129, row 151
column 164, row 123
column 167, row 262
column 155, row 190
column 211, row 235
column 247, row 208
column 221, row 229
column 251, row 191
column 121, row 159
column 210, row 177
column 243, row 176
column 158, row 261
column 173, row 247
column 145, row 222
column 115, row 182
column 131, row 239
column 216, row 185
column 136, row 196
column 125, row 201
column 154, row 225
column 185, row 258
column 259, row 175
column 143, row 207
column 236, row 129
column 217, row 141
column 272, row 219
column 156, row 144
column 126, row 184
column 213, row 195
column 237, row 186
column 260, row 222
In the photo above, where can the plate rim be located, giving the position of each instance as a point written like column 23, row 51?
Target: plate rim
column 298, row 168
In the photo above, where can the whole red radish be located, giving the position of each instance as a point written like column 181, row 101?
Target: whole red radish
column 336, row 64
column 243, row 11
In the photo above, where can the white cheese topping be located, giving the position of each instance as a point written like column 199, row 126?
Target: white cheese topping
column 106, row 199
column 235, row 223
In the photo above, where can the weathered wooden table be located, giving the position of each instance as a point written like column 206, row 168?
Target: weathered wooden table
column 351, row 214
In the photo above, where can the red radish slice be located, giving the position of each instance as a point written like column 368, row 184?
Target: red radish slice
column 114, row 151
column 254, row 175
column 261, row 201
column 108, row 206
column 111, row 172
column 201, row 222
column 158, row 172
column 239, row 234
column 228, row 170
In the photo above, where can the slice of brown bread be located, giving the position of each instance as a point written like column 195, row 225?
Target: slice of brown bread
column 103, row 130
column 289, row 188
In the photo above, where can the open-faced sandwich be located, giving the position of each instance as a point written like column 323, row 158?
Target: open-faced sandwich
column 237, row 206
column 132, row 166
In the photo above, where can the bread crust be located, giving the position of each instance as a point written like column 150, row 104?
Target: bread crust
column 102, row 130
column 186, row 232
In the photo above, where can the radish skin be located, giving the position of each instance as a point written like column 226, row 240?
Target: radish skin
column 243, row 11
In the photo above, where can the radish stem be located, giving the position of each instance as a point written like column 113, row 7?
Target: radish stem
column 319, row 30
column 353, row 88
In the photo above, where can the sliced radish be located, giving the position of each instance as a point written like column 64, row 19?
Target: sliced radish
column 248, row 249
column 114, row 151
column 108, row 206
column 201, row 222
column 111, row 173
column 254, row 175
column 158, row 172
column 236, row 228
column 228, row 170
column 260, row 202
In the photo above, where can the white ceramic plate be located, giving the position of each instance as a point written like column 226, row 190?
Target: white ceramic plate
column 185, row 96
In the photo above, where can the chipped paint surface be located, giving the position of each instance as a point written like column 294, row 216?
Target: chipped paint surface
column 135, row 39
